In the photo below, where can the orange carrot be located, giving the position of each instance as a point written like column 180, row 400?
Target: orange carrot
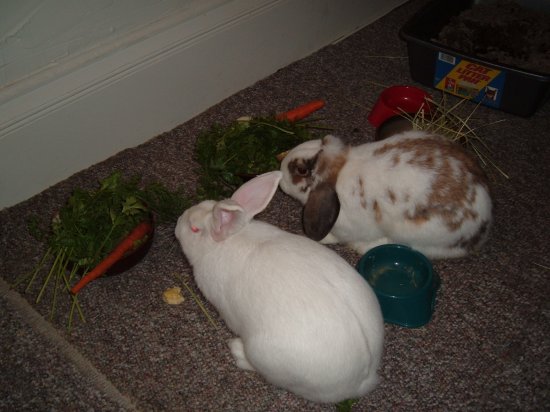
column 301, row 112
column 138, row 233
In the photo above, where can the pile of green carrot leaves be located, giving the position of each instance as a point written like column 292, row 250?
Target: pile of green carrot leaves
column 230, row 155
column 90, row 225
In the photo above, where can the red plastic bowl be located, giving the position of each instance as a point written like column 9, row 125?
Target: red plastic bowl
column 397, row 100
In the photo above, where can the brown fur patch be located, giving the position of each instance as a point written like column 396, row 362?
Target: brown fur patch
column 423, row 149
column 329, row 165
column 419, row 216
column 457, row 172
column 476, row 240
column 395, row 160
column 391, row 196
column 362, row 197
column 301, row 171
column 377, row 211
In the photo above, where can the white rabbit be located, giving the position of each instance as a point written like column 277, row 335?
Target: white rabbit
column 413, row 188
column 305, row 319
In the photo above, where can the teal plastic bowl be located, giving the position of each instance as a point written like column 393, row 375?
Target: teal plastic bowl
column 404, row 282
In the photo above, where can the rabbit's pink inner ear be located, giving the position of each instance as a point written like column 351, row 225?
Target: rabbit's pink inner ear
column 255, row 195
column 226, row 221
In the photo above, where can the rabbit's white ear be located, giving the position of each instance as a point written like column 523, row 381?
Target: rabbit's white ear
column 255, row 195
column 228, row 217
column 231, row 215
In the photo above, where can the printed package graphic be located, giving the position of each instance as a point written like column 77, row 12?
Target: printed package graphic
column 469, row 80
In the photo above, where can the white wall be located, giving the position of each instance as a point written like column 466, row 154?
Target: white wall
column 81, row 80
column 42, row 39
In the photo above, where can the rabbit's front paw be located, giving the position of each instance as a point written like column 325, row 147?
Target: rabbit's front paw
column 329, row 240
column 237, row 350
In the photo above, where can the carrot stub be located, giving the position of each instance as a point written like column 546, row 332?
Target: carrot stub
column 301, row 112
column 127, row 244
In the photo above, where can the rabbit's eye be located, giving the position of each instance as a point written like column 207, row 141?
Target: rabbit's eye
column 195, row 229
column 302, row 170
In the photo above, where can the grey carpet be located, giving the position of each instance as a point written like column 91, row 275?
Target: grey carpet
column 487, row 347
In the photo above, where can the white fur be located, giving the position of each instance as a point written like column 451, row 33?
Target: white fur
column 304, row 318
column 357, row 225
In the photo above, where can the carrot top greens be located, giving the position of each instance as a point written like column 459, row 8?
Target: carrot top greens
column 93, row 222
column 90, row 225
column 230, row 155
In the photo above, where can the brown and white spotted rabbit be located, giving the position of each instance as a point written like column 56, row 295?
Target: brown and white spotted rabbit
column 413, row 188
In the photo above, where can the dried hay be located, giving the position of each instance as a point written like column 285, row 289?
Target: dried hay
column 446, row 121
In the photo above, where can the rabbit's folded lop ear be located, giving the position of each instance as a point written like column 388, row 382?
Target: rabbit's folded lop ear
column 231, row 215
column 322, row 207
column 320, row 211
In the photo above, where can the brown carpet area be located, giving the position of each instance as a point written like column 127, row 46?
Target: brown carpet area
column 487, row 347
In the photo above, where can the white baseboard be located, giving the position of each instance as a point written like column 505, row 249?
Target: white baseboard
column 123, row 99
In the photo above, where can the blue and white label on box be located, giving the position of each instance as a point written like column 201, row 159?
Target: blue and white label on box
column 469, row 80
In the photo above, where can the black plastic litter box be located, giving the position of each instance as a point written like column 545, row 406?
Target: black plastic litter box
column 510, row 89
